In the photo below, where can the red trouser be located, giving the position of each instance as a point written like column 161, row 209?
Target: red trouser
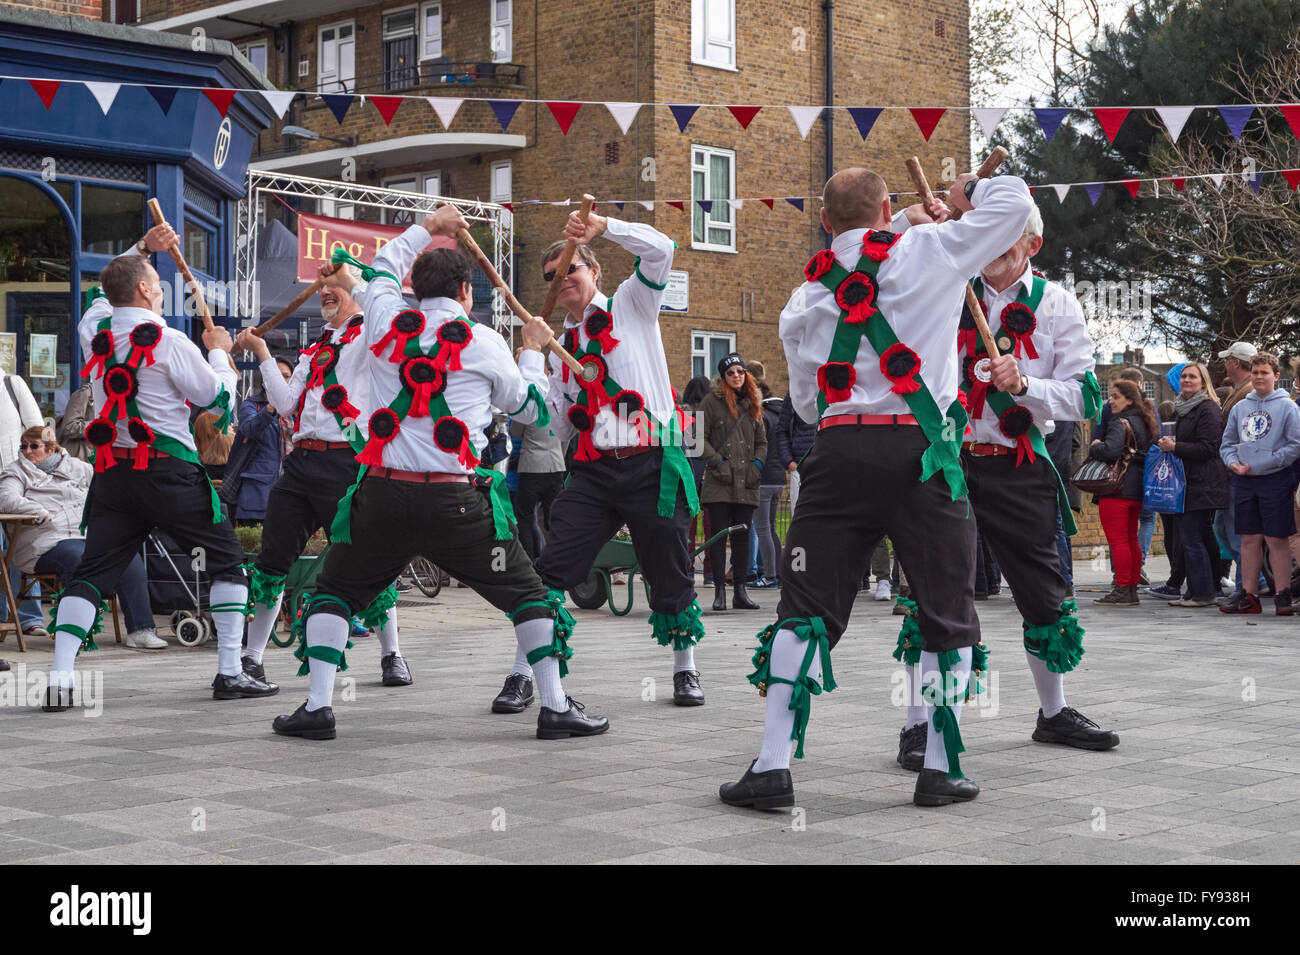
column 1119, row 519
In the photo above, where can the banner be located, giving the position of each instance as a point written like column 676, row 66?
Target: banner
column 318, row 237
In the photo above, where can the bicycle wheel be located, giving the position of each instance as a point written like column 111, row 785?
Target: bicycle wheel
column 426, row 577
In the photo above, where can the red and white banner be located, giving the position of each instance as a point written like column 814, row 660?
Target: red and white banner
column 318, row 237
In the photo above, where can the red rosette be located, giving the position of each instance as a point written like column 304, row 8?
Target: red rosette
column 323, row 360
column 453, row 336
column 451, row 435
column 585, row 422
column 120, row 386
column 335, row 399
column 101, row 433
column 423, row 379
column 968, row 332
column 835, row 379
column 143, row 437
column 1015, row 423
column 596, row 396
column 599, row 327
column 876, row 245
column 857, row 295
column 144, row 339
column 101, row 347
column 901, row 365
column 384, row 426
column 1018, row 321
column 571, row 346
column 354, row 328
column 819, row 265
column 406, row 324
column 630, row 405
column 976, row 372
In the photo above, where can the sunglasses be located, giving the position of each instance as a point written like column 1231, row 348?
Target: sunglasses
column 550, row 276
column 30, row 447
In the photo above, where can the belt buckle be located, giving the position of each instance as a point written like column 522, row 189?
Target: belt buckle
column 618, row 455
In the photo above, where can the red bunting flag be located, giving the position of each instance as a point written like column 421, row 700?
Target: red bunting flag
column 508, row 206
column 1111, row 118
column 676, row 204
column 564, row 114
column 744, row 114
column 221, row 99
column 1178, row 181
column 45, row 89
column 767, row 202
column 1292, row 176
column 1292, row 114
column 927, row 118
column 1131, row 185
column 387, row 106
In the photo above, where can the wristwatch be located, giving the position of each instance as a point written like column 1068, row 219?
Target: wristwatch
column 969, row 189
column 1024, row 386
column 142, row 248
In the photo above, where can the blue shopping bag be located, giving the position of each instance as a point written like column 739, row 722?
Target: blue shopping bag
column 1164, row 483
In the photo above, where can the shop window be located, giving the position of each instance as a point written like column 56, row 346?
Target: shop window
column 112, row 220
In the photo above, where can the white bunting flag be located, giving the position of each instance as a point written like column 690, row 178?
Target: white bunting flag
column 1217, row 179
column 278, row 100
column 1174, row 118
column 804, row 117
column 104, row 93
column 647, row 204
column 623, row 114
column 988, row 120
column 1061, row 191
column 446, row 108
column 736, row 204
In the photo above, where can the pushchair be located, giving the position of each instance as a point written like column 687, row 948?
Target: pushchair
column 178, row 589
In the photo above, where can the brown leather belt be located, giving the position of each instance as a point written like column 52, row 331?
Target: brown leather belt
column 311, row 444
column 985, row 450
column 621, row 453
column 128, row 454
column 837, row 420
column 418, row 477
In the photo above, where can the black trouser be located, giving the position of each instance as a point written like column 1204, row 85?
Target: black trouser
column 988, row 576
column 1016, row 508
column 860, row 483
column 535, row 488
column 726, row 514
column 1174, row 550
column 1200, row 550
column 601, row 497
column 302, row 501
column 393, row 522
column 126, row 505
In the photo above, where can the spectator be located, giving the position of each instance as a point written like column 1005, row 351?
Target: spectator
column 72, row 426
column 756, row 369
column 1236, row 365
column 1172, row 589
column 1060, row 448
column 734, row 447
column 1119, row 511
column 18, row 411
column 213, row 446
column 794, row 439
column 540, row 480
column 260, row 453
column 50, row 484
column 771, row 485
column 692, row 395
column 1260, row 444
column 1197, row 432
column 1146, row 518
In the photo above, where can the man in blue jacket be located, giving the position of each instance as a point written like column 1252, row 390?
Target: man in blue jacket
column 1260, row 444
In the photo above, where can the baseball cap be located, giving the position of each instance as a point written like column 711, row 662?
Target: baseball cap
column 1241, row 350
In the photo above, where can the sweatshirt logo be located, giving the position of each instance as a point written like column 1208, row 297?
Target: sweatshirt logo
column 1255, row 425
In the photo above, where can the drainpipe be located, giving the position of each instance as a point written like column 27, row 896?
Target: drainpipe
column 828, row 123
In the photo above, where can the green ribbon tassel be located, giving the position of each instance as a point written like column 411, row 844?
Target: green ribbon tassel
column 685, row 629
column 264, row 589
column 979, row 667
column 944, row 719
column 563, row 629
column 1091, row 396
column 341, row 529
column 535, row 398
column 908, row 650
column 376, row 615
column 803, row 687
column 367, row 273
column 89, row 297
column 328, row 654
column 87, row 637
column 503, row 514
column 222, row 401
column 1058, row 644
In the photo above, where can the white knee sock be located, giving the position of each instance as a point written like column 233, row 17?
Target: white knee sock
column 936, row 756
column 388, row 635
column 522, row 665
column 778, row 723
column 230, row 624
column 532, row 634
column 259, row 630
column 684, row 659
column 915, row 705
column 1050, row 686
column 324, row 630
column 79, row 612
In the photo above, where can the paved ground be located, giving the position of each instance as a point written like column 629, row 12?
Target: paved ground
column 1208, row 770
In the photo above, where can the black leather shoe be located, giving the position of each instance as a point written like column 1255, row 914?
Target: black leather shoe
column 686, row 688
column 719, row 597
column 911, row 747
column 57, row 699
column 552, row 724
column 1071, row 728
column 241, row 686
column 395, row 671
column 515, row 696
column 3, row 666
column 934, row 788
column 318, row 724
column 740, row 600
column 255, row 670
column 773, row 789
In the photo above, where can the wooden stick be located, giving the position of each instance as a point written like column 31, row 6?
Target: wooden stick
column 566, row 258
column 490, row 271
column 987, row 169
column 261, row 330
column 156, row 211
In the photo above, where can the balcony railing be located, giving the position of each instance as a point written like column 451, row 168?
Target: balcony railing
column 427, row 74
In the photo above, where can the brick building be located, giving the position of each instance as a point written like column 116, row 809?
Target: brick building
column 738, row 265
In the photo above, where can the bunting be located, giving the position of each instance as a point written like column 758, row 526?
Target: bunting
column 339, row 104
column 864, row 117
column 505, row 110
column 744, row 114
column 1174, row 118
column 446, row 108
column 564, row 114
column 1111, row 119
column 624, row 114
column 988, row 120
column 926, row 119
column 387, row 106
column 1050, row 121
column 46, row 89
column 682, row 113
column 222, row 98
column 804, row 117
column 104, row 94
column 278, row 100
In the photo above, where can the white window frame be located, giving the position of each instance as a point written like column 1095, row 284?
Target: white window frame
column 719, row 202
column 414, row 32
column 1149, row 388
column 424, row 37
column 331, row 82
column 492, row 182
column 704, row 353
column 417, row 179
column 704, row 49
column 336, row 209
column 506, row 49
column 246, row 48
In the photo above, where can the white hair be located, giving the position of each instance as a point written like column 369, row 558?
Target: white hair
column 1035, row 224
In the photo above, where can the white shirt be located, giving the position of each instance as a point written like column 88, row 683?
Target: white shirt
column 920, row 295
column 489, row 376
column 178, row 375
column 1064, row 356
column 638, row 362
column 317, row 422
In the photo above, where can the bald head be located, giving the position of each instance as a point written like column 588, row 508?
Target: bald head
column 853, row 199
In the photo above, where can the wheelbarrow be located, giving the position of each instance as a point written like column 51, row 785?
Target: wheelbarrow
column 619, row 555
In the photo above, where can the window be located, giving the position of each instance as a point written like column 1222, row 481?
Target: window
column 333, row 209
column 713, row 179
column 200, row 243
column 429, row 184
column 501, row 181
column 502, row 35
column 122, row 11
column 713, row 33
column 336, row 66
column 255, row 53
column 709, row 348
column 401, row 71
column 431, row 31
column 110, row 218
column 1149, row 389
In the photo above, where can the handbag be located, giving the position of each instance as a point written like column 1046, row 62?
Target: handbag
column 1105, row 478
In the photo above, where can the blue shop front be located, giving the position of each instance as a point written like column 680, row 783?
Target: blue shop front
column 74, row 180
